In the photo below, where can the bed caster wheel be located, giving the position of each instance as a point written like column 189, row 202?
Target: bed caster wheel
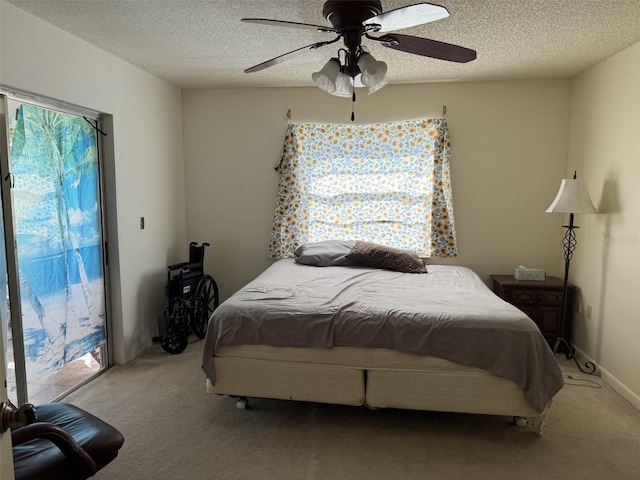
column 520, row 421
column 242, row 404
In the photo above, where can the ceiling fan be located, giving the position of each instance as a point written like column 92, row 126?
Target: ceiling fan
column 352, row 20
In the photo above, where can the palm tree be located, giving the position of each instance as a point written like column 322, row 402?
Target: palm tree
column 61, row 149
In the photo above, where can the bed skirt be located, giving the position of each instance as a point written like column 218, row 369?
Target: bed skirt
column 373, row 377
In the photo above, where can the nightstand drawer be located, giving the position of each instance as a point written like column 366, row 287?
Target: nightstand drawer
column 540, row 300
column 534, row 297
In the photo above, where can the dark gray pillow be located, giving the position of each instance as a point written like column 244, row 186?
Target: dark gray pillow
column 325, row 254
column 380, row 256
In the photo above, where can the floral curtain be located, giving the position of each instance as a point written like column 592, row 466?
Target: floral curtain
column 386, row 183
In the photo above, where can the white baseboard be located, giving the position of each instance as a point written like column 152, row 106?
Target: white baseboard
column 612, row 381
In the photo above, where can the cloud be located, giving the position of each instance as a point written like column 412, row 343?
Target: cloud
column 75, row 216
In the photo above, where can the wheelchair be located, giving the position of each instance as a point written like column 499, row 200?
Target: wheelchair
column 192, row 298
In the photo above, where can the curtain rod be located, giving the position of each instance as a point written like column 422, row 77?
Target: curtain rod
column 444, row 112
column 51, row 103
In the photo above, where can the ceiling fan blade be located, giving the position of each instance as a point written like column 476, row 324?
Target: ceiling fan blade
column 288, row 56
column 408, row 16
column 282, row 23
column 428, row 48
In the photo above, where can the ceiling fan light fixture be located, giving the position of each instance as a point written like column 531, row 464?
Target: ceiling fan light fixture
column 377, row 86
column 326, row 78
column 373, row 71
column 357, row 81
column 343, row 86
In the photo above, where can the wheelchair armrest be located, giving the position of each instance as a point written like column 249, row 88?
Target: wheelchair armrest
column 176, row 266
column 195, row 266
column 65, row 442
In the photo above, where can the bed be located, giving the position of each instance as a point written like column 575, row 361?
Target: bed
column 360, row 335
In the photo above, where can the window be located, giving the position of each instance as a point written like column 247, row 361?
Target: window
column 384, row 183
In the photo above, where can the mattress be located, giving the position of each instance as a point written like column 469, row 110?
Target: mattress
column 448, row 313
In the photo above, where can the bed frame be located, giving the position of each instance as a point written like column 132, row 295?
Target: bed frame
column 373, row 377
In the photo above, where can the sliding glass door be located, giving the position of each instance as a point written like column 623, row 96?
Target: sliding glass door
column 59, row 333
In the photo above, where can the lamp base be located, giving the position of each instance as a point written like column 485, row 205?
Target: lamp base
column 570, row 353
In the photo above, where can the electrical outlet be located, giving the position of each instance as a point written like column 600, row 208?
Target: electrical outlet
column 589, row 311
column 141, row 223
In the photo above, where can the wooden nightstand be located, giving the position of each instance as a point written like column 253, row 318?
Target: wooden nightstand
column 540, row 300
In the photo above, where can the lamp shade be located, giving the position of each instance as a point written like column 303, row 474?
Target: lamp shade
column 373, row 71
column 573, row 197
column 377, row 86
column 325, row 79
column 343, row 85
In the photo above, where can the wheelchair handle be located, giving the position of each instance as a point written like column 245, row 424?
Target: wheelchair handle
column 204, row 244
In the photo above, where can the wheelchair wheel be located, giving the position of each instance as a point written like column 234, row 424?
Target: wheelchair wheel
column 176, row 338
column 206, row 301
column 175, row 344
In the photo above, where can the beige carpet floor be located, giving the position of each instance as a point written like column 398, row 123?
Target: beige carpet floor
column 174, row 430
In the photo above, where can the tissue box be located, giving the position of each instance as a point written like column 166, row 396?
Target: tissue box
column 524, row 273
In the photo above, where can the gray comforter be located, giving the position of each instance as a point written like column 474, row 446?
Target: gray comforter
column 448, row 313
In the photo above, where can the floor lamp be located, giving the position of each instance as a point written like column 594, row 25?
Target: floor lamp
column 573, row 197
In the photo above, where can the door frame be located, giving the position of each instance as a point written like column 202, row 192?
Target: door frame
column 11, row 253
column 6, row 451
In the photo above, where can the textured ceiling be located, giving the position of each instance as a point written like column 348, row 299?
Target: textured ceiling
column 200, row 44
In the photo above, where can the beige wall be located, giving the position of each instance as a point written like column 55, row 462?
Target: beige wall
column 146, row 170
column 605, row 150
column 509, row 154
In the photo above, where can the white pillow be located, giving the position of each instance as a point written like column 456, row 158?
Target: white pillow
column 326, row 253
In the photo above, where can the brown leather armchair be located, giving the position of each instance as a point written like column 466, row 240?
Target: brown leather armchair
column 65, row 442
